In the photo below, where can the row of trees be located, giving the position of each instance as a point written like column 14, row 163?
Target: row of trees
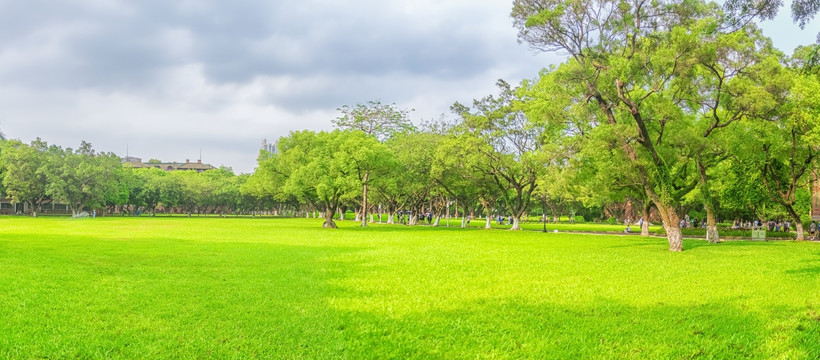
column 83, row 179
column 672, row 105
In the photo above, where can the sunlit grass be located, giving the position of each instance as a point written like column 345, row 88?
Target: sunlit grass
column 285, row 288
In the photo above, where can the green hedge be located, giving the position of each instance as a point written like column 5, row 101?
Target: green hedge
column 731, row 232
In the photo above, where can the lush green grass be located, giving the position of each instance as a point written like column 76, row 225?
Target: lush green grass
column 284, row 288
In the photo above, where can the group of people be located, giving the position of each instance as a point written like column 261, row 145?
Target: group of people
column 404, row 216
column 771, row 225
column 629, row 225
column 686, row 223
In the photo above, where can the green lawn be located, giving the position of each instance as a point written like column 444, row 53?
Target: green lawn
column 285, row 288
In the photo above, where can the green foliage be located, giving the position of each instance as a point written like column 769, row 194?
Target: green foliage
column 612, row 221
column 25, row 171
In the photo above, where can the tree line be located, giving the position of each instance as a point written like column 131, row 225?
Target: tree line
column 84, row 180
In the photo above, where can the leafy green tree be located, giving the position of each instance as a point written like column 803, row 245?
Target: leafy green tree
column 368, row 159
column 376, row 120
column 81, row 178
column 316, row 169
column 632, row 66
column 511, row 145
column 785, row 147
column 406, row 182
column 25, row 174
column 461, row 171
column 224, row 194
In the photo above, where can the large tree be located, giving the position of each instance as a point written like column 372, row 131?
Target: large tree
column 633, row 65
column 81, row 178
column 377, row 120
column 512, row 146
column 314, row 168
column 25, row 172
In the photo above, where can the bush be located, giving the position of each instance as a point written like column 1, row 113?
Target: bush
column 579, row 219
column 730, row 232
column 612, row 221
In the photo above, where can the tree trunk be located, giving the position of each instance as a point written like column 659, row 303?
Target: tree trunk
column 436, row 222
column 516, row 225
column 488, row 223
column 391, row 218
column 463, row 221
column 341, row 215
column 798, row 225
column 711, row 226
column 645, row 225
column 364, row 199
column 799, row 228
column 329, row 223
column 671, row 223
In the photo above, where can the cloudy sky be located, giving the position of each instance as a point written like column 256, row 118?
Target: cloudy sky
column 164, row 79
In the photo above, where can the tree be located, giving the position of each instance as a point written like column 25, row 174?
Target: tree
column 82, row 177
column 25, row 173
column 376, row 120
column 315, row 169
column 407, row 183
column 632, row 65
column 368, row 159
column 785, row 147
column 511, row 144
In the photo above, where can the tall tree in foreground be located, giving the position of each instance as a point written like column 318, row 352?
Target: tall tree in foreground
column 631, row 65
column 785, row 148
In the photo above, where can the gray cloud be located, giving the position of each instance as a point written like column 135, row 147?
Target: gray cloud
column 166, row 78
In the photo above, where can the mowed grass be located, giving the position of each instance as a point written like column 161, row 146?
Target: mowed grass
column 285, row 288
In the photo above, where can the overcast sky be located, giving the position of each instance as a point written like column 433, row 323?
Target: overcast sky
column 164, row 79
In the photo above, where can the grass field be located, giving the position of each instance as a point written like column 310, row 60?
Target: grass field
column 285, row 288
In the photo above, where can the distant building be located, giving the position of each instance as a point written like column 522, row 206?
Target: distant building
column 270, row 147
column 198, row 166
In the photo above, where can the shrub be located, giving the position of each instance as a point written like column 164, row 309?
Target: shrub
column 730, row 232
column 579, row 219
column 612, row 221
